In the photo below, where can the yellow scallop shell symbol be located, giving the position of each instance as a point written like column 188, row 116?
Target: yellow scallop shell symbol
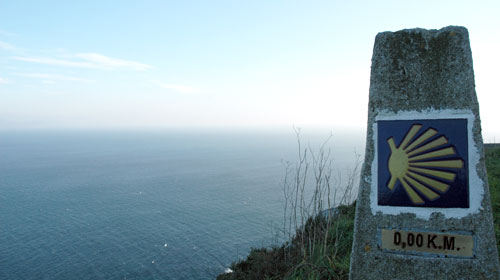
column 413, row 165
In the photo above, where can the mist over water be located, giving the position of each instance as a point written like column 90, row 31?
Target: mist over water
column 178, row 204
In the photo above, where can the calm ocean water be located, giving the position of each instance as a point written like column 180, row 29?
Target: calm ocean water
column 143, row 204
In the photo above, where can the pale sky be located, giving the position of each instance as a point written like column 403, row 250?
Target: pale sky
column 126, row 64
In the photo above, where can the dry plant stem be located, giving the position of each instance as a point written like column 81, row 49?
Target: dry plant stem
column 304, row 217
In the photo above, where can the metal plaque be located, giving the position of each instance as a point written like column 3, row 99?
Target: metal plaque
column 447, row 244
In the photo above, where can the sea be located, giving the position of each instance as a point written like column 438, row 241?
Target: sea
column 147, row 204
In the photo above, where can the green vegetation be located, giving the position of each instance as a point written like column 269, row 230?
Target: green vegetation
column 299, row 259
column 289, row 260
column 492, row 153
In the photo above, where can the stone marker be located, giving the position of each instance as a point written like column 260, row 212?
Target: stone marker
column 423, row 209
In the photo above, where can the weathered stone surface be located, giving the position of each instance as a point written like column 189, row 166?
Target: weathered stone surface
column 421, row 73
